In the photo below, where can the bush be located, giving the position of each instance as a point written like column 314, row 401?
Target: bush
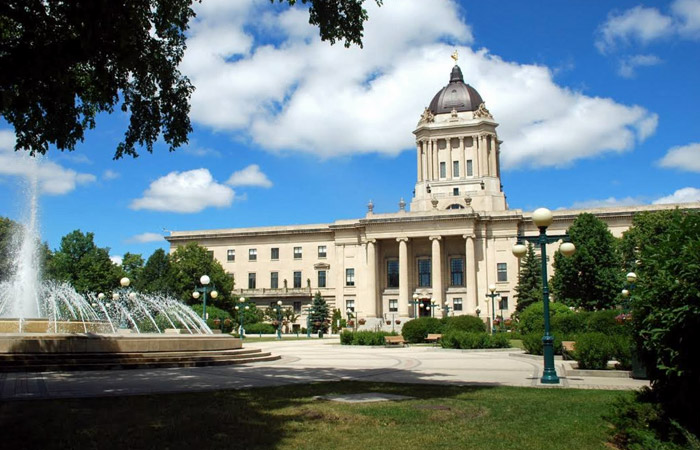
column 593, row 350
column 623, row 346
column 363, row 337
column 533, row 344
column 346, row 337
column 532, row 317
column 569, row 323
column 464, row 323
column 417, row 330
column 259, row 328
column 469, row 340
column 604, row 322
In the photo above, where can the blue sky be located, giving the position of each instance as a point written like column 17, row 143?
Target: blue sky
column 597, row 105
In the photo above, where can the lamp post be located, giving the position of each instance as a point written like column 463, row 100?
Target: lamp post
column 503, row 318
column 543, row 218
column 241, row 309
column 415, row 304
column 278, row 308
column 309, row 311
column 493, row 295
column 446, row 310
column 433, row 307
column 204, row 280
column 627, row 291
column 352, row 315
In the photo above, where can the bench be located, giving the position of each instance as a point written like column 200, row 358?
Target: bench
column 433, row 338
column 394, row 340
column 567, row 349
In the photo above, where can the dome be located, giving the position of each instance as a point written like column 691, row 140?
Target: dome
column 456, row 95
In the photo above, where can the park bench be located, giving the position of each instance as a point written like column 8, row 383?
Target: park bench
column 567, row 349
column 394, row 340
column 433, row 338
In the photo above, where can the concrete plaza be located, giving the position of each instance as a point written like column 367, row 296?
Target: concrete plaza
column 307, row 361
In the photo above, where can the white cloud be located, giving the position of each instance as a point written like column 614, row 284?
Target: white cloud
column 636, row 24
column 52, row 178
column 250, row 176
column 688, row 14
column 628, row 65
column 117, row 259
column 110, row 175
column 686, row 157
column 684, row 195
column 607, row 203
column 145, row 237
column 185, row 192
column 303, row 95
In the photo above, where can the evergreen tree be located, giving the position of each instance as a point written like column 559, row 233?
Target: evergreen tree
column 156, row 275
column 529, row 288
column 592, row 277
column 320, row 315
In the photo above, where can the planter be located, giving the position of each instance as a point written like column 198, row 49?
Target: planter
column 227, row 322
column 362, row 321
column 398, row 322
column 388, row 322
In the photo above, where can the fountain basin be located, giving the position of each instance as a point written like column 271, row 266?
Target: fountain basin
column 46, row 326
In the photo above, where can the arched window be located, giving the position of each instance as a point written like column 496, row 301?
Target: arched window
column 455, row 206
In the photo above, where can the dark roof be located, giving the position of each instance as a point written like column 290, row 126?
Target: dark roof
column 456, row 95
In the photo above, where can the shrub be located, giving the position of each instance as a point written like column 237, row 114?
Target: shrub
column 469, row 340
column 532, row 317
column 533, row 344
column 417, row 330
column 346, row 337
column 364, row 337
column 593, row 350
column 464, row 323
column 569, row 323
column 623, row 346
column 259, row 328
column 604, row 322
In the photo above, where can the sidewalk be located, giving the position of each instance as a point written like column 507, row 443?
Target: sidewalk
column 309, row 361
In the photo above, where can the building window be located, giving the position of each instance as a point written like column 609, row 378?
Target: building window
column 251, row 281
column 210, row 253
column 503, row 304
column 392, row 273
column 455, row 191
column 297, row 252
column 297, row 279
column 424, row 272
column 443, row 170
column 393, row 305
column 230, row 255
column 456, row 272
column 349, row 277
column 275, row 253
column 470, row 171
column 457, row 304
column 297, row 307
column 321, row 251
column 274, row 280
column 252, row 254
column 455, row 169
column 321, row 278
column 350, row 304
column 502, row 269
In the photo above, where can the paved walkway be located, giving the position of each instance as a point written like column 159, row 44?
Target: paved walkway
column 305, row 362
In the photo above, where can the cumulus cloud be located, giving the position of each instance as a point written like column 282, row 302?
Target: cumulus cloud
column 607, row 203
column 629, row 65
column 250, row 176
column 184, row 192
column 145, row 237
column 684, row 195
column 52, row 178
column 638, row 24
column 303, row 95
column 686, row 157
column 110, row 175
column 688, row 17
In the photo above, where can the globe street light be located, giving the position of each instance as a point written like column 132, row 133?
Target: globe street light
column 204, row 280
column 243, row 307
column 278, row 308
column 543, row 218
column 416, row 301
column 493, row 295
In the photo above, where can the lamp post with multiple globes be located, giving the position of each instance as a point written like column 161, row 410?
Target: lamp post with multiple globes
column 205, row 280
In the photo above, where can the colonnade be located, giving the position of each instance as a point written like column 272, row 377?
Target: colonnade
column 485, row 160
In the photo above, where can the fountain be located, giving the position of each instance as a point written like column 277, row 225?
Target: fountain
column 46, row 325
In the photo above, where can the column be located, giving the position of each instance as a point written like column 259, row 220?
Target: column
column 437, row 271
column 476, row 165
column 483, row 156
column 436, row 165
column 493, row 172
column 462, row 159
column 428, row 159
column 371, row 279
column 470, row 266
column 448, row 153
column 403, row 276
column 419, row 169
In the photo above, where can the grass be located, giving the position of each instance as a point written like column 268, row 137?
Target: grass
column 289, row 417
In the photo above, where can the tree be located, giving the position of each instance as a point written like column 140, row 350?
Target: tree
column 529, row 288
column 156, row 275
column 7, row 229
column 132, row 265
column 319, row 316
column 72, row 60
column 188, row 263
column 592, row 277
column 81, row 263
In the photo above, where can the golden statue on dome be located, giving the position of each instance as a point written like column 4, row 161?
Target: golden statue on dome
column 455, row 56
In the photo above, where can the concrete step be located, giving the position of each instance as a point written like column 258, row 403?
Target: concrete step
column 9, row 357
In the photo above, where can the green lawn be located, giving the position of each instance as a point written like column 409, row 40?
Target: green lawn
column 288, row 417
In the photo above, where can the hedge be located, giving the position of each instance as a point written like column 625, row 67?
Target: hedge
column 417, row 330
column 259, row 328
column 364, row 337
column 463, row 323
column 468, row 340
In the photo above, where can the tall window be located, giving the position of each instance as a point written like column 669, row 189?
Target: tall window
column 230, row 255
column 470, row 171
column 297, row 252
column 503, row 304
column 274, row 253
column 455, row 169
column 252, row 254
column 457, row 304
column 321, row 251
column 392, row 273
column 274, row 280
column 456, row 272
column 502, row 270
column 350, row 304
column 443, row 170
column 393, row 305
column 455, row 191
column 297, row 307
column 321, row 278
column 251, row 280
column 424, row 272
column 349, row 277
column 297, row 279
